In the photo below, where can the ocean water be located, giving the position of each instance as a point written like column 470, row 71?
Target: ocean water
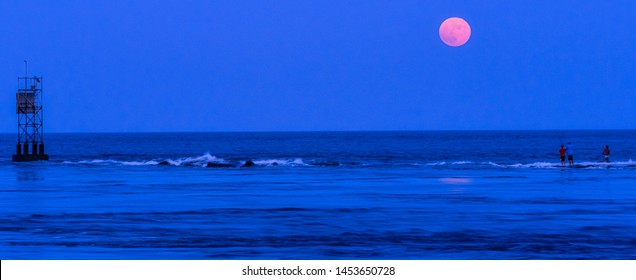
column 321, row 195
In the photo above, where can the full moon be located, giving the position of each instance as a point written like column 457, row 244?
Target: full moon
column 454, row 31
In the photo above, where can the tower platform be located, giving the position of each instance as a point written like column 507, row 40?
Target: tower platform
column 30, row 157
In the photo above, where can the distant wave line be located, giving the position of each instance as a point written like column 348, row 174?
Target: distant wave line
column 208, row 160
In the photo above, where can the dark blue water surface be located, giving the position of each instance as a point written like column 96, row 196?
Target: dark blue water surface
column 321, row 195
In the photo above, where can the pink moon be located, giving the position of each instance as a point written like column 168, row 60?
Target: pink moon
column 454, row 31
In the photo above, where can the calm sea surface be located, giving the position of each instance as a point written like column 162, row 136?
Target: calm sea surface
column 321, row 195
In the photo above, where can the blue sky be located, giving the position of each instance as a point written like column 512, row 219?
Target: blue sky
column 137, row 66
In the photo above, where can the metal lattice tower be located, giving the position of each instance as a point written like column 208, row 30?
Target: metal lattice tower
column 30, row 119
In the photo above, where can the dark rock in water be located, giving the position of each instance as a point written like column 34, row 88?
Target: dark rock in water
column 214, row 164
column 274, row 163
column 165, row 162
column 248, row 163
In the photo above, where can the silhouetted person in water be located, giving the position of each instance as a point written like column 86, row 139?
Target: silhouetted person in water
column 570, row 151
column 606, row 153
column 562, row 155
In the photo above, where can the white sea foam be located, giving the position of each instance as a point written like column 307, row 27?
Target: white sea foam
column 461, row 162
column 93, row 162
column 535, row 165
column 186, row 161
column 584, row 164
column 283, row 162
column 492, row 163
column 202, row 160
column 134, row 163
column 542, row 164
column 206, row 158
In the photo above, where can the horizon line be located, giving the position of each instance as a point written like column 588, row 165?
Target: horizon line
column 361, row 130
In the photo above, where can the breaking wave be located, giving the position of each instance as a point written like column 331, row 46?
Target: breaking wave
column 208, row 160
column 205, row 160
column 587, row 164
column 284, row 162
column 202, row 160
